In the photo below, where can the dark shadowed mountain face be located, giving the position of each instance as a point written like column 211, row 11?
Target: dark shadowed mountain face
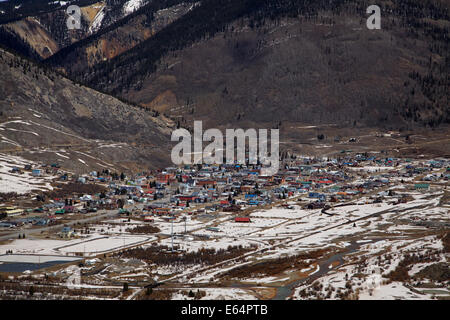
column 43, row 113
column 123, row 35
column 39, row 30
column 255, row 62
column 275, row 61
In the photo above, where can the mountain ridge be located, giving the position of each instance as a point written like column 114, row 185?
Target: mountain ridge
column 37, row 103
column 412, row 84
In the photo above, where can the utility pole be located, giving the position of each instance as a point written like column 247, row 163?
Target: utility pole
column 172, row 235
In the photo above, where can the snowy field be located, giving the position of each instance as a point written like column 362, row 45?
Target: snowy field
column 195, row 245
column 280, row 212
column 20, row 183
column 105, row 244
column 217, row 294
column 178, row 225
column 91, row 245
column 34, row 258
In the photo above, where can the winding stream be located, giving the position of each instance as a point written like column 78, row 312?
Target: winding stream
column 285, row 291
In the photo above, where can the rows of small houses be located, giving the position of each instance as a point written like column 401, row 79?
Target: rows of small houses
column 228, row 187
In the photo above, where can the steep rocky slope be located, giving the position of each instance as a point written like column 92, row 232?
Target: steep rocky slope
column 119, row 38
column 45, row 33
column 46, row 117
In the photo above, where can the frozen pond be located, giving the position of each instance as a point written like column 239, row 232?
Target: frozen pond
column 23, row 262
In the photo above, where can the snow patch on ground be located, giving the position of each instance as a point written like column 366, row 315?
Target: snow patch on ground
column 20, row 183
column 217, row 294
column 97, row 22
column 392, row 291
column 132, row 6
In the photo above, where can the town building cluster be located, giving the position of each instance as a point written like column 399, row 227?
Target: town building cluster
column 206, row 189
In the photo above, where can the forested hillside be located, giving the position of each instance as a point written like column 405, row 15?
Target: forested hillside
column 269, row 61
column 308, row 61
column 39, row 33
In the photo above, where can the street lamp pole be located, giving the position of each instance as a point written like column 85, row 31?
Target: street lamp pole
column 172, row 235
